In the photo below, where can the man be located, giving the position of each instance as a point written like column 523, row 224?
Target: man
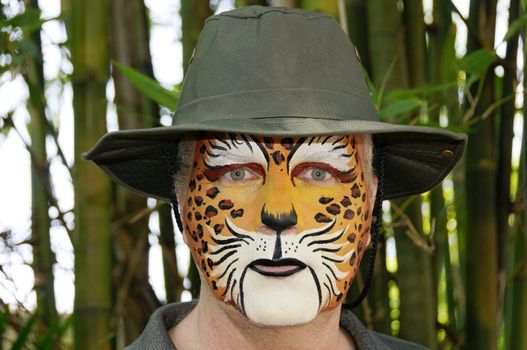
column 276, row 165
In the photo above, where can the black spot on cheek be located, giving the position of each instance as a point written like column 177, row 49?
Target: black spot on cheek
column 189, row 202
column 199, row 177
column 192, row 185
column 210, row 262
column 198, row 200
column 237, row 213
column 349, row 214
column 189, row 216
column 211, row 211
column 359, row 211
column 204, row 246
column 278, row 157
column 214, row 286
column 200, row 231
column 268, row 141
column 351, row 238
column 339, row 297
column 333, row 209
column 212, row 192
column 361, row 247
column 193, row 235
column 287, row 143
column 353, row 259
column 218, row 228
column 197, row 216
column 322, row 218
column 364, row 197
column 355, row 191
column 202, row 149
column 346, row 202
column 325, row 200
column 225, row 204
column 203, row 265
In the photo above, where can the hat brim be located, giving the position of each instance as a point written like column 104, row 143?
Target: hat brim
column 417, row 158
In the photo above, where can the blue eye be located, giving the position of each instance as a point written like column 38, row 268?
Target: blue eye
column 318, row 174
column 237, row 175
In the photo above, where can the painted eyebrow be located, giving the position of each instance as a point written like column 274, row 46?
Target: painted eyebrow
column 332, row 150
column 235, row 149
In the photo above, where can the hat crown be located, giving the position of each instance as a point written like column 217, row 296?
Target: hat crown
column 266, row 62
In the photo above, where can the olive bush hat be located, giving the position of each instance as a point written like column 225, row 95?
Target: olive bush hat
column 278, row 71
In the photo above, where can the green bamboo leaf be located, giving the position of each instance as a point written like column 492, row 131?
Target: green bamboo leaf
column 29, row 17
column 56, row 331
column 3, row 320
column 478, row 61
column 514, row 27
column 407, row 93
column 400, row 106
column 148, row 86
column 24, row 333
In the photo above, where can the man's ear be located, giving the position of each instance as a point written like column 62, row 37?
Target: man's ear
column 371, row 203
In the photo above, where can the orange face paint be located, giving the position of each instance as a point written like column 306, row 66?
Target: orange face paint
column 277, row 225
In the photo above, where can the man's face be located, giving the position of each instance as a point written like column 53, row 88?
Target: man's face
column 277, row 225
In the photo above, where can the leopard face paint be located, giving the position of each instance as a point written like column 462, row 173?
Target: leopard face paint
column 277, row 225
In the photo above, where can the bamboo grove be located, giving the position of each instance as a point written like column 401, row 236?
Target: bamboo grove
column 457, row 278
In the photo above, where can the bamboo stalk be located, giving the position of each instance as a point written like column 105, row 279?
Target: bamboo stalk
column 92, row 239
column 515, row 335
column 505, row 137
column 481, row 234
column 43, row 257
column 129, row 44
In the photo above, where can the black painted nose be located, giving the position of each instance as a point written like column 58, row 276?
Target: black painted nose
column 279, row 222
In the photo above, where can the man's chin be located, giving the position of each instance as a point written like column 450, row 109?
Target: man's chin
column 280, row 301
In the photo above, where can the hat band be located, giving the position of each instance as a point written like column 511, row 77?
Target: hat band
column 281, row 102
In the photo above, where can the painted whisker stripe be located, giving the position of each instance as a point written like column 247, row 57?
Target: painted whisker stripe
column 239, row 235
column 337, row 140
column 225, row 257
column 317, row 284
column 212, row 155
column 262, row 149
column 318, row 233
column 330, row 270
column 329, row 250
column 293, row 151
column 232, row 289
column 332, row 260
column 229, row 281
column 326, row 139
column 247, row 142
column 331, row 285
column 324, row 241
column 225, row 248
column 216, row 147
column 228, row 241
column 227, row 268
column 329, row 294
column 339, row 147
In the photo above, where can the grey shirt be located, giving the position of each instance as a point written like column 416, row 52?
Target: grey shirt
column 155, row 335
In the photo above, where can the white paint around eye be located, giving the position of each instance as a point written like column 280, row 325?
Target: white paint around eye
column 238, row 153
column 322, row 153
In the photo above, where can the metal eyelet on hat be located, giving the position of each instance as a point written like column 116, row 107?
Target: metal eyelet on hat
column 447, row 154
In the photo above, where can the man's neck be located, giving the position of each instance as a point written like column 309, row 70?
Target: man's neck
column 215, row 325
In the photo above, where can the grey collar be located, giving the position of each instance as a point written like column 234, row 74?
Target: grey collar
column 155, row 335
